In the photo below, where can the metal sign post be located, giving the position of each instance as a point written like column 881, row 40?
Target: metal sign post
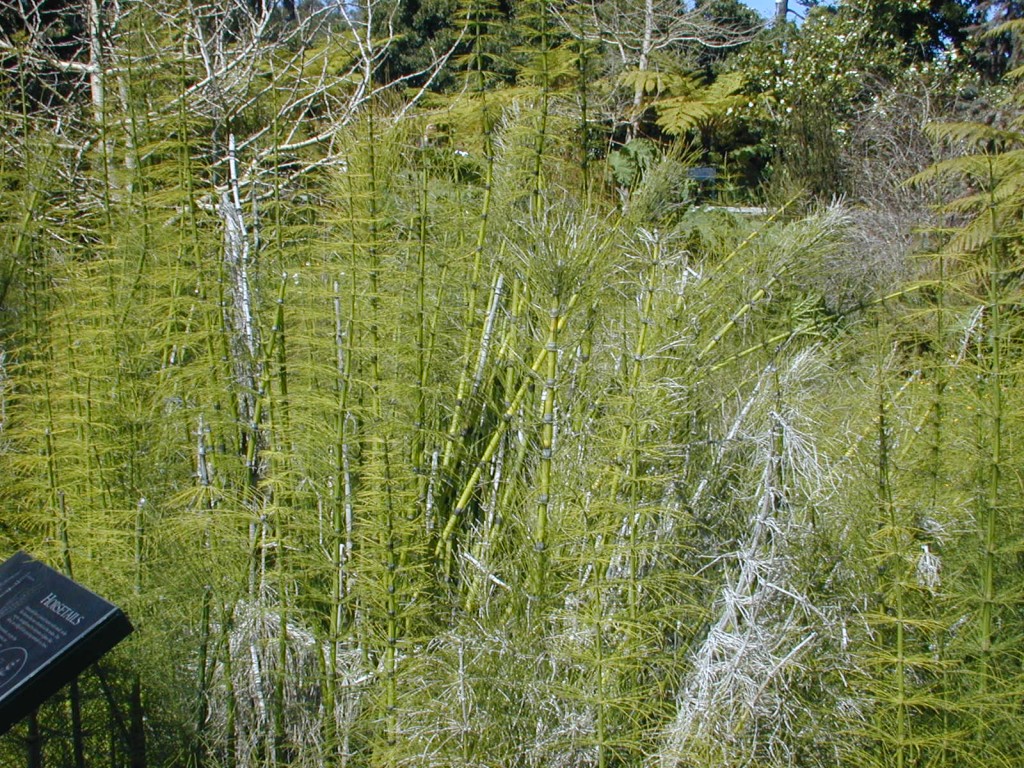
column 50, row 630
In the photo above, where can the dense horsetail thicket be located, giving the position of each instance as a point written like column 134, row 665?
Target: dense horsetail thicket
column 424, row 427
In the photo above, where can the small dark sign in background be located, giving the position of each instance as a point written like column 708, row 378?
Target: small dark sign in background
column 50, row 630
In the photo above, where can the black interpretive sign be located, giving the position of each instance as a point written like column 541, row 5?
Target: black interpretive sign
column 50, row 630
column 702, row 173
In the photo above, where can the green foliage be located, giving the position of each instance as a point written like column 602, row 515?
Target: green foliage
column 925, row 28
column 685, row 102
column 996, row 171
column 629, row 163
column 810, row 88
column 809, row 84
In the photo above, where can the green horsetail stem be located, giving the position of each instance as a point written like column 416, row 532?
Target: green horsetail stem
column 540, row 14
column 894, row 566
column 204, row 477
column 936, row 479
column 759, row 294
column 547, row 435
column 281, row 500
column 499, row 431
column 382, row 444
column 418, row 448
column 203, row 683
column 584, row 78
column 346, row 477
column 639, row 352
column 503, row 491
column 231, row 703
column 341, row 542
column 137, row 190
column 63, row 524
column 993, row 388
column 458, row 419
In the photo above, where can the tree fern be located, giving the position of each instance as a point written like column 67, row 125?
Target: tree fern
column 683, row 102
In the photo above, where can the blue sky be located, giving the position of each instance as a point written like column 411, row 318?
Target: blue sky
column 765, row 7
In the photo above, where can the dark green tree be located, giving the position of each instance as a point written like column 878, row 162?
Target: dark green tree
column 734, row 19
column 422, row 30
column 924, row 28
column 993, row 50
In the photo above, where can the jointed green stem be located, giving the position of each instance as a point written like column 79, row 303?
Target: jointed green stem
column 470, row 486
column 547, row 433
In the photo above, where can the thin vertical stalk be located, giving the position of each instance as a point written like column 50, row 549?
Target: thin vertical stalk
column 379, row 443
column 627, row 456
column 547, row 438
column 137, row 726
column 97, row 89
column 993, row 390
column 347, row 480
column 543, row 53
column 936, row 482
column 137, row 187
column 895, row 569
column 469, row 487
column 231, row 734
column 280, row 433
column 342, row 513
column 419, row 441
column 74, row 692
column 460, row 418
column 583, row 78
column 594, row 581
column 34, row 742
column 203, row 692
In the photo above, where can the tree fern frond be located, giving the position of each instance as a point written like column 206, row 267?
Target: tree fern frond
column 678, row 114
column 967, row 166
column 1011, row 26
column 974, row 133
column 657, row 82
